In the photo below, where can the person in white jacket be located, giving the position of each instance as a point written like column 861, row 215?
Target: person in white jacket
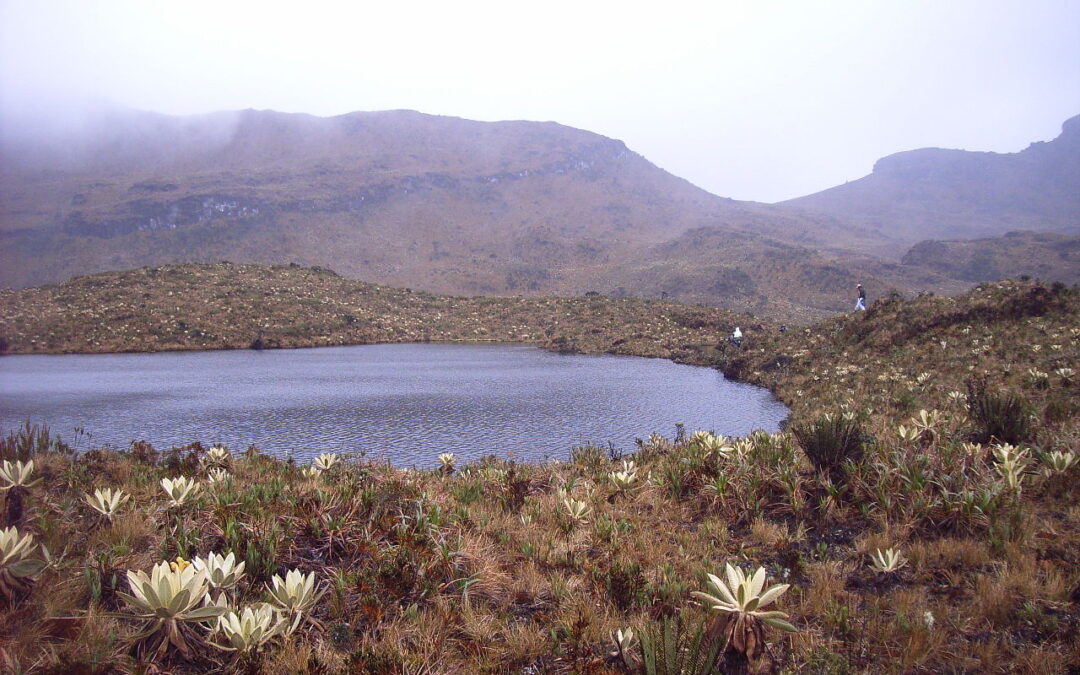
column 861, row 302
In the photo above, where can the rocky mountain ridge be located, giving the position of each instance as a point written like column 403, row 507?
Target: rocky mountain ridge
column 443, row 204
column 934, row 193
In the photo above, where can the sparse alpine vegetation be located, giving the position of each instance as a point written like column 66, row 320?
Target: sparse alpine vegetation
column 937, row 546
column 228, row 306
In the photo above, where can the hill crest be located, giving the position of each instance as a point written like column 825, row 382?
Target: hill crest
column 935, row 193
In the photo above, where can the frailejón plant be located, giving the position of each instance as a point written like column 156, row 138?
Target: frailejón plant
column 1058, row 461
column 107, row 501
column 624, row 642
column 251, row 628
column 576, row 509
column 171, row 595
column 217, row 475
column 179, row 489
column 222, row 572
column 625, row 479
column 19, row 566
column 17, row 474
column 886, row 561
column 1012, row 462
column 741, row 601
column 295, row 594
column 217, row 457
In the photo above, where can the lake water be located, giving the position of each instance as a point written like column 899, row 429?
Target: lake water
column 405, row 402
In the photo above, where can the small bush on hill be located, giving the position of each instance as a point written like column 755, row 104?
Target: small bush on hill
column 1002, row 416
column 830, row 442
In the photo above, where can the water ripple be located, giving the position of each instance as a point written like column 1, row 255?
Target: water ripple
column 405, row 403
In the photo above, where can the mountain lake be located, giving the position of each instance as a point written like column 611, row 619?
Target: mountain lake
column 402, row 403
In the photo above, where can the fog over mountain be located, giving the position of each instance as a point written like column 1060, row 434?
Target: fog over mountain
column 457, row 206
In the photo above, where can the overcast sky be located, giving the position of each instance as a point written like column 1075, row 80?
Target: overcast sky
column 760, row 99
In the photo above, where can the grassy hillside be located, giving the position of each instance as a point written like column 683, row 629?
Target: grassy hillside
column 227, row 306
column 1047, row 256
column 927, row 427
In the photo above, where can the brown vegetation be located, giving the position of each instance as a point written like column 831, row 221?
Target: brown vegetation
column 496, row 567
column 226, row 306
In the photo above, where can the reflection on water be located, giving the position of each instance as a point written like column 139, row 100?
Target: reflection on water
column 406, row 402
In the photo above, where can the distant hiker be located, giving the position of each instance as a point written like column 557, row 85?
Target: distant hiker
column 736, row 337
column 861, row 302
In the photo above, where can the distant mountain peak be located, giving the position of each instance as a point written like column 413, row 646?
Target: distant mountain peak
column 936, row 193
column 1070, row 132
column 925, row 162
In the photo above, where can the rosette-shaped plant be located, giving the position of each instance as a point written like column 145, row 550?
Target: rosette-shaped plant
column 742, row 448
column 248, row 630
column 908, row 434
column 625, row 479
column 19, row 566
column 17, row 474
column 217, row 475
column 576, row 510
column 624, row 642
column 16, row 478
column 1012, row 462
column 887, row 561
column 295, row 594
column 927, row 422
column 1058, row 461
column 222, row 572
column 169, row 597
column 326, row 461
column 217, row 457
column 107, row 501
column 741, row 602
column 711, row 443
column 179, row 489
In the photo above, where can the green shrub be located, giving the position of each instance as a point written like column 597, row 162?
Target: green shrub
column 589, row 457
column 674, row 649
column 830, row 442
column 1004, row 417
column 31, row 439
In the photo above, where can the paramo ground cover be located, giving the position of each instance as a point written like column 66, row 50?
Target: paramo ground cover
column 918, row 515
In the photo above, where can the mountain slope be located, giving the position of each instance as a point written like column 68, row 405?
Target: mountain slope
column 949, row 194
column 397, row 197
column 1046, row 255
column 462, row 207
column 400, row 189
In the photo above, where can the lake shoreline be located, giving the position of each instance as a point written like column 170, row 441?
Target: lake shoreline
column 381, row 399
